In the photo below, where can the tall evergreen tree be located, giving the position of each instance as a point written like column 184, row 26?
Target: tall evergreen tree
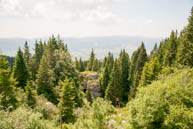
column 7, row 91
column 150, row 72
column 142, row 58
column 104, row 80
column 81, row 65
column 91, row 60
column 26, row 54
column 20, row 71
column 35, row 61
column 124, row 67
column 171, row 50
column 133, row 66
column 67, row 101
column 185, row 53
column 44, row 81
column 114, row 89
column 95, row 65
column 30, row 94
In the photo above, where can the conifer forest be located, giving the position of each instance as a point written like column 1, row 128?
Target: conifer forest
column 47, row 88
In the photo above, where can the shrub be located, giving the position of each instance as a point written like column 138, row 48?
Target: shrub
column 166, row 104
column 46, row 108
column 94, row 116
column 23, row 118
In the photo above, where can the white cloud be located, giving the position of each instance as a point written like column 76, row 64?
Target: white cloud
column 98, row 11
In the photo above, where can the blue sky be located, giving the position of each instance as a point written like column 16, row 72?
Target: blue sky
column 88, row 18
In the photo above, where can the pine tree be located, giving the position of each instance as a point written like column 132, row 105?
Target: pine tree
column 171, row 50
column 81, row 65
column 150, row 72
column 95, row 65
column 44, row 81
column 133, row 66
column 91, row 60
column 67, row 101
column 35, row 61
column 89, row 96
column 77, row 65
column 142, row 58
column 114, row 89
column 31, row 100
column 185, row 53
column 154, row 52
column 104, row 80
column 124, row 67
column 27, row 54
column 8, row 98
column 110, row 62
column 20, row 71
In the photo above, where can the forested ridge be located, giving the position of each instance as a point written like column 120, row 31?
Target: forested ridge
column 44, row 90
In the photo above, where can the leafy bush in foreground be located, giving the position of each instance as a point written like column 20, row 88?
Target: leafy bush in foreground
column 94, row 116
column 23, row 118
column 166, row 104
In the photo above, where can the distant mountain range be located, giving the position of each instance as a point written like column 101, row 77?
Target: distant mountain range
column 81, row 47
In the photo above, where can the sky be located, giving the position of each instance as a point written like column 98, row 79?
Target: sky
column 91, row 18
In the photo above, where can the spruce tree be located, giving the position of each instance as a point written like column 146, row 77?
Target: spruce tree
column 8, row 98
column 35, row 61
column 104, row 80
column 67, row 101
column 26, row 54
column 133, row 66
column 77, row 65
column 95, row 65
column 114, row 89
column 88, row 95
column 124, row 67
column 81, row 65
column 142, row 58
column 44, row 81
column 150, row 72
column 185, row 53
column 20, row 71
column 30, row 93
column 171, row 50
column 91, row 60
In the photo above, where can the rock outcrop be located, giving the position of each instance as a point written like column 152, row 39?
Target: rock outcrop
column 91, row 81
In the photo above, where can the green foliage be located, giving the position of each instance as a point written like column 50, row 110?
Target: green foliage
column 30, row 93
column 20, row 72
column 67, row 101
column 44, row 81
column 8, row 98
column 140, row 62
column 115, row 84
column 95, row 66
column 88, row 95
column 46, row 108
column 35, row 61
column 124, row 67
column 26, row 54
column 185, row 51
column 165, row 104
column 150, row 72
column 24, row 118
column 104, row 80
column 171, row 50
column 91, row 61
column 94, row 116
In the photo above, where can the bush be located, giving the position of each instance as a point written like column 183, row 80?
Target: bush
column 94, row 116
column 165, row 104
column 23, row 118
column 46, row 108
